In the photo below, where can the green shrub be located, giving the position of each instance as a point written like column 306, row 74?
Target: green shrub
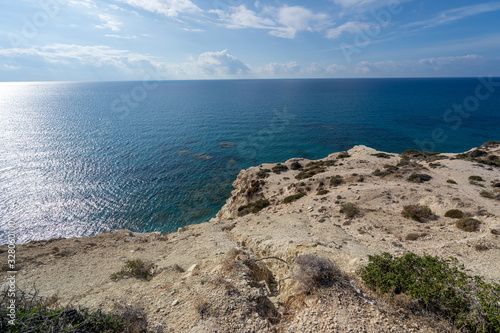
column 382, row 174
column 476, row 178
column 253, row 207
column 279, row 168
column 349, row 209
column 336, row 180
column 468, row 224
column 416, row 212
column 419, row 178
column 295, row 166
column 454, row 214
column 451, row 181
column 322, row 192
column 294, row 197
column 135, row 268
column 495, row 185
column 437, row 285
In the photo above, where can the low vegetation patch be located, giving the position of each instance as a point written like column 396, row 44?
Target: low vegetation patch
column 294, row 197
column 43, row 314
column 279, row 168
column 454, row 214
column 382, row 155
column 487, row 194
column 322, row 192
column 295, row 165
column 336, row 180
column 135, row 268
column 417, row 212
column 419, row 178
column 313, row 272
column 451, row 181
column 349, row 209
column 343, row 155
column 313, row 168
column 263, row 173
column 414, row 236
column 439, row 286
column 468, row 224
column 476, row 178
column 253, row 207
column 495, row 185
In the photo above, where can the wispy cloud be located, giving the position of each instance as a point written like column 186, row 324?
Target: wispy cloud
column 352, row 27
column 169, row 8
column 282, row 22
column 121, row 37
column 468, row 65
column 108, row 22
column 456, row 14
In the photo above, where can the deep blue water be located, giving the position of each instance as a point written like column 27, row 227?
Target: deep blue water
column 81, row 158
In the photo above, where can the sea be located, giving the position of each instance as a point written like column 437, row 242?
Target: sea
column 77, row 159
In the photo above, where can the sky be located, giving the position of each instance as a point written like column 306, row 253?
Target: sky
column 114, row 40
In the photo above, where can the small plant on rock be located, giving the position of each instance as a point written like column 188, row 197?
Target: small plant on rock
column 416, row 212
column 295, row 165
column 293, row 197
column 336, row 181
column 135, row 268
column 468, row 224
column 279, row 168
column 349, row 209
column 314, row 272
column 419, row 178
column 454, row 214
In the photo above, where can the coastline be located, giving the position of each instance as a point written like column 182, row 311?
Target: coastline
column 190, row 264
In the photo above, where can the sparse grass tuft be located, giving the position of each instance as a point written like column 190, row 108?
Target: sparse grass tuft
column 454, row 214
column 313, row 272
column 417, row 212
column 349, row 209
column 135, row 268
column 41, row 314
column 419, row 178
column 293, row 197
column 468, row 224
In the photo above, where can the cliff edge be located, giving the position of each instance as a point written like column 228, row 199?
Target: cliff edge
column 237, row 273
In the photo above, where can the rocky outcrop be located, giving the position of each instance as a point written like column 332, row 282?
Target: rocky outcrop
column 236, row 273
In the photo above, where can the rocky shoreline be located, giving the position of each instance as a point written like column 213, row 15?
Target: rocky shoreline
column 234, row 273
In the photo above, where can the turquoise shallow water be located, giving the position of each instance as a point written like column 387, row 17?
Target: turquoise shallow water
column 81, row 158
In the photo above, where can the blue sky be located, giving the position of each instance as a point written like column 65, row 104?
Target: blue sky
column 92, row 40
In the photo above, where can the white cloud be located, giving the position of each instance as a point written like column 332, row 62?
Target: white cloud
column 169, row 8
column 468, row 65
column 241, row 17
column 298, row 18
column 352, row 27
column 121, row 37
column 455, row 14
column 282, row 22
column 108, row 22
column 291, row 67
column 220, row 63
